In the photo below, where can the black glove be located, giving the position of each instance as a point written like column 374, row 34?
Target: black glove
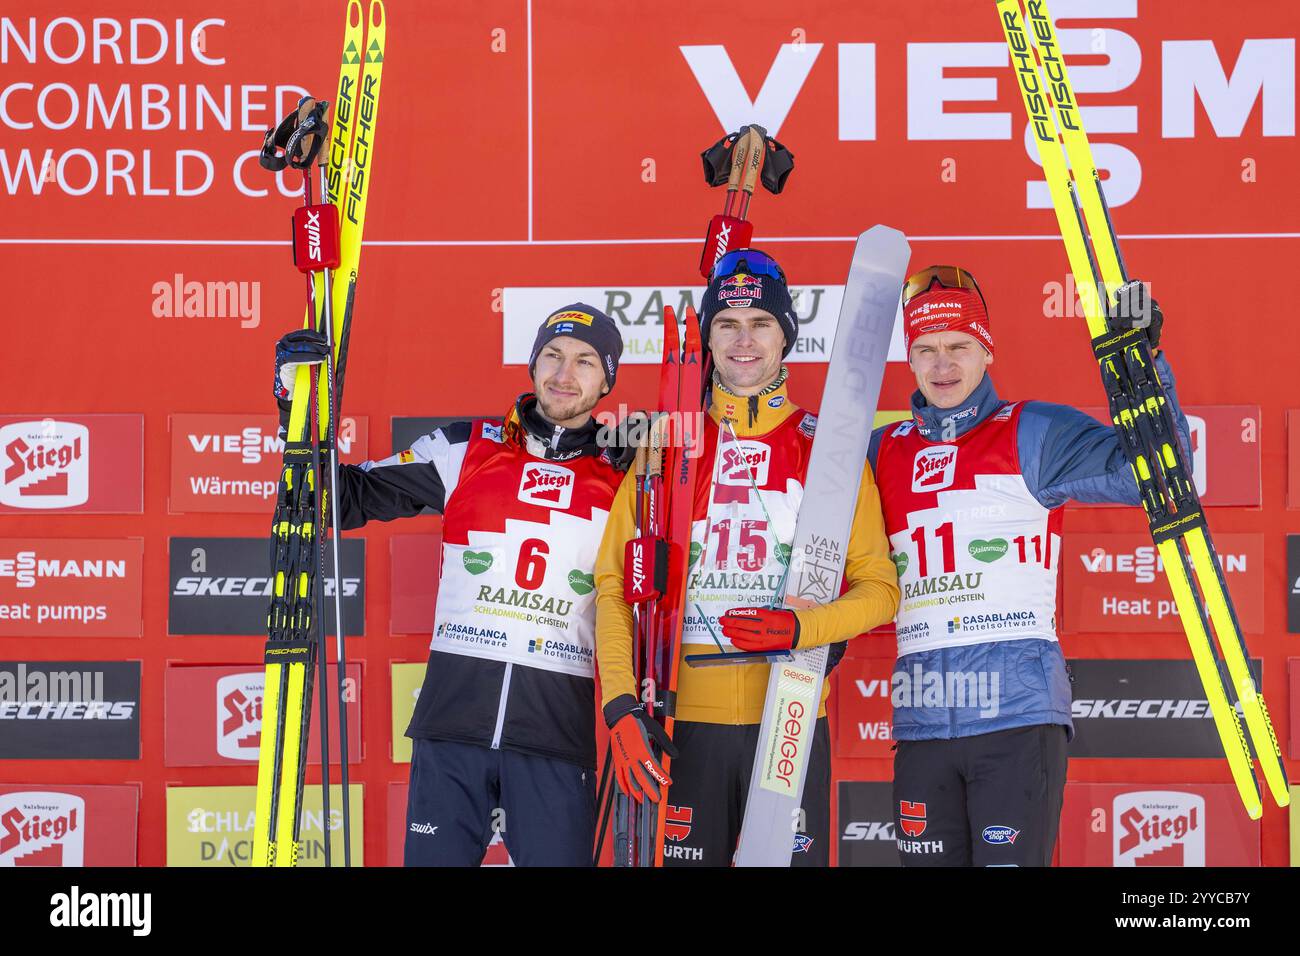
column 1134, row 308
column 625, row 438
column 299, row 347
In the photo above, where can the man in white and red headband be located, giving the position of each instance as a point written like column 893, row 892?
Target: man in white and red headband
column 972, row 489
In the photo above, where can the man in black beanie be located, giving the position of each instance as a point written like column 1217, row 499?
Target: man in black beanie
column 504, row 726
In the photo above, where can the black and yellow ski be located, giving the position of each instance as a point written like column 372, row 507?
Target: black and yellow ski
column 1138, row 405
column 294, row 648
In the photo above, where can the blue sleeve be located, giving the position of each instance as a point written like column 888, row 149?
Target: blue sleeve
column 1067, row 455
column 873, row 446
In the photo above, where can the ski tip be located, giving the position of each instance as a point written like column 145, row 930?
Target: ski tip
column 377, row 13
column 671, row 338
column 692, row 330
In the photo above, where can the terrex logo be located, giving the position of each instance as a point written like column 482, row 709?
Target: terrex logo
column 42, row 829
column 677, row 823
column 740, row 460
column 1159, row 828
column 934, row 468
column 239, row 715
column 548, row 485
column 46, row 464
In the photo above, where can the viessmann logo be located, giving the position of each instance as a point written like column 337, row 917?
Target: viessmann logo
column 1144, row 563
column 548, row 485
column 46, row 464
column 26, row 566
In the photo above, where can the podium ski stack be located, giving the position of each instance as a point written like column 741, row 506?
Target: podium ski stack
column 1139, row 407
column 327, row 242
column 839, row 452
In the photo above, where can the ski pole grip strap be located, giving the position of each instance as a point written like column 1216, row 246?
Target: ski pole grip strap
column 753, row 159
column 619, row 707
column 645, row 569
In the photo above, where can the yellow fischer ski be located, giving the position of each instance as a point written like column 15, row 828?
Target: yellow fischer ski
column 1138, row 405
column 292, row 650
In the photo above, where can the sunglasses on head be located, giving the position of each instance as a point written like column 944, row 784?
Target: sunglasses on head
column 948, row 277
column 747, row 260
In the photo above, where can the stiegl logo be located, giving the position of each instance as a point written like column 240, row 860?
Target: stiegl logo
column 548, row 485
column 239, row 715
column 46, row 464
column 42, row 829
column 745, row 462
column 1159, row 828
column 934, row 468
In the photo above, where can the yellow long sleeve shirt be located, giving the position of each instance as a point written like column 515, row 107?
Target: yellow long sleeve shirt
column 735, row 694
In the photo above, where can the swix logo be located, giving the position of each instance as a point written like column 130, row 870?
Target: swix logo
column 46, row 464
column 911, row 818
column 239, row 715
column 1196, row 425
column 741, row 460
column 1159, row 828
column 934, row 468
column 724, row 241
column 42, row 829
column 548, row 485
column 869, row 830
column 677, row 823
column 27, row 566
column 313, row 234
column 1144, row 562
column 426, row 828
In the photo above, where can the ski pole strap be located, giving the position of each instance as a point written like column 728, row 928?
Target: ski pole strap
column 297, row 140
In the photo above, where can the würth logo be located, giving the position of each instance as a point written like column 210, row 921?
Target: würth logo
column 677, row 823
column 911, row 818
column 548, row 485
column 934, row 468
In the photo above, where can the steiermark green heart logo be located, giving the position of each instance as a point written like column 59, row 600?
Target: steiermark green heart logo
column 900, row 562
column 696, row 548
column 582, row 583
column 987, row 551
column 476, row 562
column 783, row 554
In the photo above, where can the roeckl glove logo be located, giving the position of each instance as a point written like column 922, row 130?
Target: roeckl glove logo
column 548, row 485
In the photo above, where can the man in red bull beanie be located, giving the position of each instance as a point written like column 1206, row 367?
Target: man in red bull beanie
column 754, row 453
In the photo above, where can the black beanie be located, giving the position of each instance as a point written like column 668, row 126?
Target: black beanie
column 587, row 324
column 743, row 289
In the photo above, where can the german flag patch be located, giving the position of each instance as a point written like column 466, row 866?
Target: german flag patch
column 406, row 457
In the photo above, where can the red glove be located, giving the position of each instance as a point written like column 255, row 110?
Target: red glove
column 639, row 774
column 761, row 628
